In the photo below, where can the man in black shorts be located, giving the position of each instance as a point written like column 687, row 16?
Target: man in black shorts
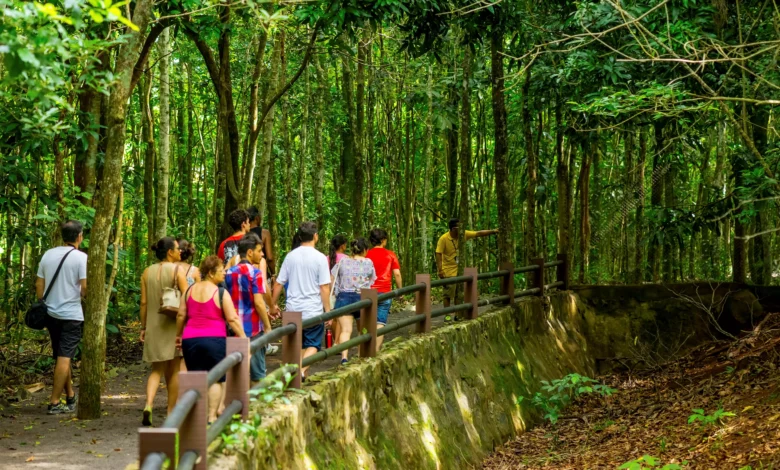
column 66, row 317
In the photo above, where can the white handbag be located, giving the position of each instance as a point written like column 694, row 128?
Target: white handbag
column 171, row 296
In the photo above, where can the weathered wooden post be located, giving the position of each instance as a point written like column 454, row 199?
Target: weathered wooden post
column 471, row 293
column 162, row 440
column 508, row 282
column 292, row 345
column 192, row 433
column 422, row 300
column 237, row 379
column 539, row 275
column 563, row 271
column 367, row 323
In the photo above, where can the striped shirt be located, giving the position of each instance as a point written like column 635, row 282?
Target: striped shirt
column 243, row 281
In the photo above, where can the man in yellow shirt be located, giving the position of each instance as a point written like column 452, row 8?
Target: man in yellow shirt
column 447, row 256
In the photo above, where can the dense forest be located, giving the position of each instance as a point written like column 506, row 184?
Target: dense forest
column 636, row 136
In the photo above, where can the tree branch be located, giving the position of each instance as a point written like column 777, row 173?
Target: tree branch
column 154, row 33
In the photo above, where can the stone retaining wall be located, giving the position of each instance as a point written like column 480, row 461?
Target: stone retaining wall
column 441, row 401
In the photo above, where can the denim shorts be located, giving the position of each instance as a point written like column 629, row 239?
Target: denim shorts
column 257, row 363
column 312, row 336
column 382, row 308
column 383, row 311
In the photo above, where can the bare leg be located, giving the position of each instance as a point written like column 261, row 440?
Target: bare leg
column 153, row 383
column 379, row 338
column 337, row 330
column 345, row 332
column 61, row 377
column 172, row 381
column 215, row 396
column 69, row 392
column 306, row 353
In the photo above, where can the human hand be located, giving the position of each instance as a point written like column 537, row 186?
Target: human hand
column 328, row 323
column 142, row 338
column 178, row 342
column 267, row 327
column 441, row 274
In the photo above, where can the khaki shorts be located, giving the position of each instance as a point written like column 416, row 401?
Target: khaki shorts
column 453, row 293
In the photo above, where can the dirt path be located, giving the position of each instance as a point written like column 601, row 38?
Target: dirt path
column 650, row 412
column 30, row 439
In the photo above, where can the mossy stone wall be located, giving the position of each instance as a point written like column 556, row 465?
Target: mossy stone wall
column 438, row 401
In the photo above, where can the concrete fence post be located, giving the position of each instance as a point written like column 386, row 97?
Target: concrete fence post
column 237, row 380
column 563, row 271
column 192, row 433
column 422, row 302
column 367, row 323
column 471, row 293
column 292, row 345
column 508, row 282
column 539, row 275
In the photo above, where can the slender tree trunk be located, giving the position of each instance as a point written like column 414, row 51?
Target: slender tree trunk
column 427, row 155
column 588, row 149
column 163, row 162
column 250, row 158
column 639, row 222
column 94, row 354
column 531, row 250
column 562, row 180
column 319, row 145
column 656, row 197
column 147, row 120
column 268, row 124
column 506, row 248
column 465, row 157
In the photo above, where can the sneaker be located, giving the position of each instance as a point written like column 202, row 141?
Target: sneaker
column 58, row 409
column 343, row 362
column 271, row 349
column 147, row 419
column 70, row 402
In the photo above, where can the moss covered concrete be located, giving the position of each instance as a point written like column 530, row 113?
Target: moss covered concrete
column 437, row 401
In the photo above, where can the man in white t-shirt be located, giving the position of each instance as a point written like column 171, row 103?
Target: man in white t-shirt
column 306, row 280
column 66, row 317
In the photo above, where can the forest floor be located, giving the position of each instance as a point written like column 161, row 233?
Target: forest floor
column 31, row 439
column 649, row 415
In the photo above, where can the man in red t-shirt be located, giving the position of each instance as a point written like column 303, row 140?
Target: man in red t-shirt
column 228, row 249
column 387, row 268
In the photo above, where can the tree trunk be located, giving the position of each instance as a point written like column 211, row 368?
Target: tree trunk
column 640, row 208
column 164, row 162
column 465, row 158
column 319, row 144
column 506, row 247
column 531, row 164
column 250, row 157
column 562, row 180
column 656, row 197
column 268, row 125
column 94, row 353
column 588, row 148
column 147, row 120
column 427, row 155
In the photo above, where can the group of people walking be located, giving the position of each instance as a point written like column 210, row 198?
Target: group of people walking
column 187, row 312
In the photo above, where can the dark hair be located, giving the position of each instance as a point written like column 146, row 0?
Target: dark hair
column 453, row 223
column 187, row 249
column 335, row 244
column 237, row 218
column 209, row 265
column 253, row 213
column 163, row 246
column 359, row 245
column 307, row 230
column 376, row 236
column 71, row 231
column 250, row 241
column 296, row 241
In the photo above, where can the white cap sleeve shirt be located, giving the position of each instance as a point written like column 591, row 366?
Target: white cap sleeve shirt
column 64, row 300
column 304, row 270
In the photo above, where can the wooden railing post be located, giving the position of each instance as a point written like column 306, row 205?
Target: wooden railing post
column 508, row 282
column 471, row 293
column 367, row 323
column 292, row 345
column 192, row 433
column 423, row 303
column 539, row 275
column 151, row 440
column 563, row 271
column 237, row 380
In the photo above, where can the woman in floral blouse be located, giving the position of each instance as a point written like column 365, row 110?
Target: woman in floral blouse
column 350, row 275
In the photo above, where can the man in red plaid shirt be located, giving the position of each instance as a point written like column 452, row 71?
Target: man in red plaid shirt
column 247, row 286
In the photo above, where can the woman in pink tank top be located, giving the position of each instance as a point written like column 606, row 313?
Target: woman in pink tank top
column 201, row 325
